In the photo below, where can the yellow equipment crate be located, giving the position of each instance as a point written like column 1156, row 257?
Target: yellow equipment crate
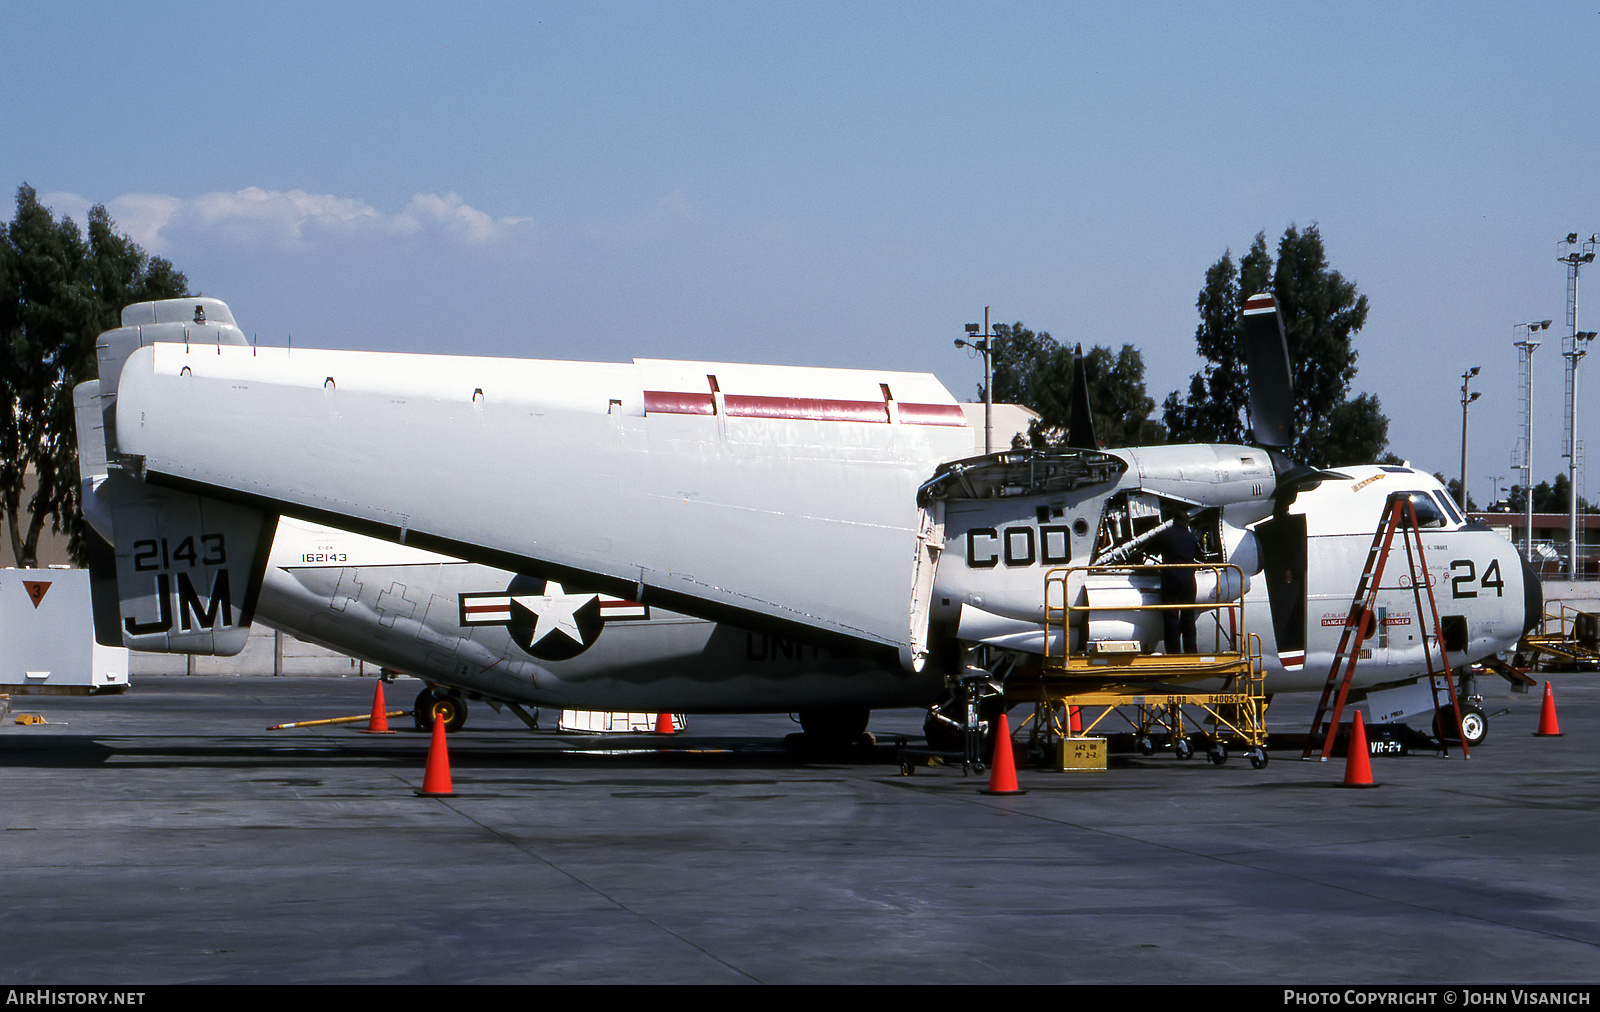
column 1083, row 754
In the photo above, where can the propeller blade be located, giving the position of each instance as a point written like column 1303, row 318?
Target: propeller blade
column 1081, row 434
column 1271, row 384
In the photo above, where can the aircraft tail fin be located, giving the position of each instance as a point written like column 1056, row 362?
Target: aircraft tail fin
column 101, row 556
column 172, row 571
column 195, row 322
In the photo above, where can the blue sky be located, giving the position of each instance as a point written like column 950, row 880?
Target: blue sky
column 841, row 184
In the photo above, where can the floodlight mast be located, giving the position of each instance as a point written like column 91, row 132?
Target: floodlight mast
column 984, row 347
column 1579, row 252
column 1525, row 349
column 1467, row 397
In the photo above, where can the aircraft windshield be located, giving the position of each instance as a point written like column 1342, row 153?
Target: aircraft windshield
column 1449, row 508
column 1428, row 512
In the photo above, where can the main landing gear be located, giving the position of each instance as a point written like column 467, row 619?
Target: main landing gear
column 433, row 703
column 831, row 732
column 836, row 726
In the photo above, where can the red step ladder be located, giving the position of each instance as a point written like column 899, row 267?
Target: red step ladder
column 1399, row 514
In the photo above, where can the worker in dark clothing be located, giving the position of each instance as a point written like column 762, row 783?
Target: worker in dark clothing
column 1178, row 545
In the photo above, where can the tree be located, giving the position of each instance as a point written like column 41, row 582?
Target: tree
column 58, row 291
column 1452, row 486
column 1034, row 370
column 1120, row 406
column 1359, row 434
column 1214, row 411
column 1322, row 312
column 1548, row 497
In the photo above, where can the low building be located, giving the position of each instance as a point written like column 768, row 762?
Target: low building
column 1550, row 540
column 1008, row 421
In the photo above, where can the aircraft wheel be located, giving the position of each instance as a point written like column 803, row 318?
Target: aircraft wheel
column 1146, row 746
column 1258, row 757
column 1474, row 726
column 843, row 724
column 1218, row 754
column 431, row 704
column 1182, row 749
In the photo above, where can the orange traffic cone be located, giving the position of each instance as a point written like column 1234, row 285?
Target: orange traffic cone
column 664, row 724
column 378, row 723
column 436, row 777
column 1003, row 765
column 1358, row 763
column 1075, row 720
column 1548, row 728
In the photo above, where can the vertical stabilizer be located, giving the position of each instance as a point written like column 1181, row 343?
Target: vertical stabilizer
column 185, row 570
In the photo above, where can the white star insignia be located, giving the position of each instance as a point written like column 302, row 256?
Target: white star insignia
column 555, row 610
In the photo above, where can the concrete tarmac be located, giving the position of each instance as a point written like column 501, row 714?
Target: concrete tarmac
column 165, row 837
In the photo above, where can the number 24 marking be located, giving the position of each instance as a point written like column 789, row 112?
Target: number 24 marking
column 1461, row 583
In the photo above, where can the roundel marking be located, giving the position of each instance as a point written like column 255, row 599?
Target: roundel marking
column 550, row 623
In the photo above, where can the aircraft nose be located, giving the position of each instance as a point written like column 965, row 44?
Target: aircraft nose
column 1532, row 598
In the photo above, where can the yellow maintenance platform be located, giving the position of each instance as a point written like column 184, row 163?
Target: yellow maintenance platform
column 1567, row 639
column 1094, row 664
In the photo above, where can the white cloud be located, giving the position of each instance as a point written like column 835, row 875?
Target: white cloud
column 454, row 216
column 255, row 217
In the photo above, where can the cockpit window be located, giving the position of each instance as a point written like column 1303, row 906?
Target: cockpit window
column 1449, row 508
column 1428, row 512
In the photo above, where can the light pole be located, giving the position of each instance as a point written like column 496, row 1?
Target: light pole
column 1466, row 398
column 984, row 347
column 1495, row 489
column 1525, row 349
column 1579, row 252
column 1574, row 348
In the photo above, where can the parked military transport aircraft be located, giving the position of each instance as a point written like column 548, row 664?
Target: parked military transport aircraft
column 817, row 506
